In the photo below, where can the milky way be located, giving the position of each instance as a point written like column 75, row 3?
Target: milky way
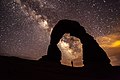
column 25, row 25
column 19, row 34
column 98, row 17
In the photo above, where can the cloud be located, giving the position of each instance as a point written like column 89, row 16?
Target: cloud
column 115, row 60
column 111, row 44
column 109, row 41
column 116, row 43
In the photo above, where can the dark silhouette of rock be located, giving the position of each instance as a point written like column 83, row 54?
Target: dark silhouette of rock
column 62, row 27
column 96, row 63
column 65, row 26
column 53, row 54
column 93, row 54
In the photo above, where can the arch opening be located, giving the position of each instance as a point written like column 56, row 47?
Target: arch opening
column 71, row 50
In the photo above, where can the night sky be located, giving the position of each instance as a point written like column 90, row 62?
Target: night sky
column 25, row 27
